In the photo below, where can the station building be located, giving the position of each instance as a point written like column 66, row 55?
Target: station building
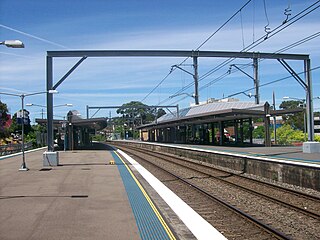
column 213, row 123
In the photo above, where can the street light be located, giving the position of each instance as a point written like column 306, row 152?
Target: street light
column 43, row 106
column 22, row 96
column 38, row 105
column 13, row 43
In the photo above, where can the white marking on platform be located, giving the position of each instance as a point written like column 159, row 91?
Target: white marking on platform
column 20, row 153
column 200, row 228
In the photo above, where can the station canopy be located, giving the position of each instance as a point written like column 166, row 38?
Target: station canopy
column 214, row 112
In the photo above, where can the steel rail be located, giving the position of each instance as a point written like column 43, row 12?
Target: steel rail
column 286, row 204
column 258, row 223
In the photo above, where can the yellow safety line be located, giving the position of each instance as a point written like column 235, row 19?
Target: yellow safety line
column 164, row 224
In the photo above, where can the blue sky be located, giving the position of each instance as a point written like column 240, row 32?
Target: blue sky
column 165, row 25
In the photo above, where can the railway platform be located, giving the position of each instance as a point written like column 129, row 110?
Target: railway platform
column 280, row 164
column 92, row 194
column 290, row 154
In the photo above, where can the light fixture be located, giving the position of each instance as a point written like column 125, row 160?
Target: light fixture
column 13, row 43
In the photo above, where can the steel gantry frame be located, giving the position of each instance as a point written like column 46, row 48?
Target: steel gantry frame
column 83, row 54
column 133, row 106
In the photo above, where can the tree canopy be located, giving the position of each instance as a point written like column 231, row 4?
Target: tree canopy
column 3, row 118
column 139, row 113
column 296, row 120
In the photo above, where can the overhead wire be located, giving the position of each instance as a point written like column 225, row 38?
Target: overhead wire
column 157, row 86
column 262, row 38
column 295, row 44
column 267, row 29
column 203, row 43
column 276, row 30
column 272, row 82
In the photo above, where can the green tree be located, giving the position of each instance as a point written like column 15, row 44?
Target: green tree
column 3, row 119
column 286, row 135
column 258, row 132
column 295, row 120
column 136, row 112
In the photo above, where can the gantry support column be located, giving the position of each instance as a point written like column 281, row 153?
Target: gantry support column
column 196, row 80
column 49, row 106
column 309, row 106
column 256, row 80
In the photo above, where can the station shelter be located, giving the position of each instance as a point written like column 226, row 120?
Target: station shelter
column 213, row 123
column 75, row 132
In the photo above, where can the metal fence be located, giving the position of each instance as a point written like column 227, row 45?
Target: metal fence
column 14, row 148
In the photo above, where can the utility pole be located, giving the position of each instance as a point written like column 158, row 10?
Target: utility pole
column 274, row 119
column 196, row 80
column 256, row 80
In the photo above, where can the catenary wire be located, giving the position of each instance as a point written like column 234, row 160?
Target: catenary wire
column 254, row 44
column 271, row 82
column 295, row 44
column 203, row 43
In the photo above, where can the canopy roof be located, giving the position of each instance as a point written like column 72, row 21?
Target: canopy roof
column 214, row 112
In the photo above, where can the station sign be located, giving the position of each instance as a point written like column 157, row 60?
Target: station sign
column 23, row 118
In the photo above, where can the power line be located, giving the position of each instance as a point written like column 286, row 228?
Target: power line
column 156, row 86
column 256, row 43
column 203, row 43
column 272, row 82
column 295, row 44
column 263, row 38
column 225, row 23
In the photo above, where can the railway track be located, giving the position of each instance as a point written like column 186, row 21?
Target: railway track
column 272, row 203
column 306, row 204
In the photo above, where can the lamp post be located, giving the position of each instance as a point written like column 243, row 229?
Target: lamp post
column 43, row 106
column 22, row 96
column 12, row 43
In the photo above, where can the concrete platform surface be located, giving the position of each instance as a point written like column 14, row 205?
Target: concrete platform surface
column 287, row 153
column 82, row 199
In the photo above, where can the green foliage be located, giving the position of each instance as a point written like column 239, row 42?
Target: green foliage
column 15, row 127
column 3, row 119
column 99, row 138
column 295, row 120
column 31, row 137
column 258, row 132
column 286, row 135
column 32, row 134
column 135, row 114
column 138, row 112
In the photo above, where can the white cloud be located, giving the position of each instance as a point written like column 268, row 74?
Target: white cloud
column 142, row 74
